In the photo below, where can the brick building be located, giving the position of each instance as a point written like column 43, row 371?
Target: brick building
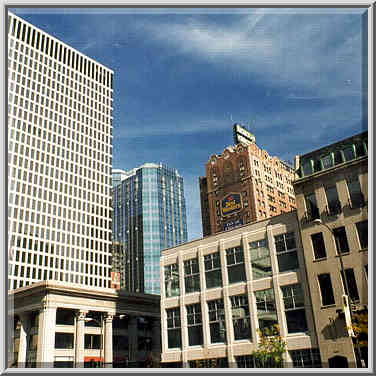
column 244, row 184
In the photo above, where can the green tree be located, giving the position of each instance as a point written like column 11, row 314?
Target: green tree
column 271, row 348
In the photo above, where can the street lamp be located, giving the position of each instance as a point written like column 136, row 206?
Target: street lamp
column 100, row 323
column 346, row 297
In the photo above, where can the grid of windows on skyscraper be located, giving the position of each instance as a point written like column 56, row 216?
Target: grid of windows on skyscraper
column 59, row 161
column 149, row 215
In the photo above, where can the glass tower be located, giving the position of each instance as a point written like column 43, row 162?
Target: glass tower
column 149, row 215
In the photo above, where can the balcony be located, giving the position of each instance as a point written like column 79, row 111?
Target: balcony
column 333, row 210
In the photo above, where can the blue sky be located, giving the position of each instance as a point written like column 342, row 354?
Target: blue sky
column 295, row 77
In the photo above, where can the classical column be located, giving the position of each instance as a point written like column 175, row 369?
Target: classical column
column 79, row 353
column 46, row 336
column 22, row 349
column 132, row 338
column 108, row 340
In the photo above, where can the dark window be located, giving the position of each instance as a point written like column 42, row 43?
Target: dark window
column 235, row 264
column 260, row 259
column 360, row 149
column 240, row 317
column 327, row 161
column 317, row 165
column 351, row 283
column 334, row 205
column 63, row 341
column 194, row 323
column 355, row 192
column 348, row 153
column 318, row 245
column 286, row 252
column 217, row 321
column 266, row 309
column 326, row 289
column 338, row 157
column 173, row 328
column 311, row 206
column 213, row 273
column 307, row 358
column 64, row 316
column 362, row 229
column 191, row 276
column 172, row 280
column 92, row 341
column 341, row 240
column 293, row 300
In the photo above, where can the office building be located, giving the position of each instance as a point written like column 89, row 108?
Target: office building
column 149, row 215
column 67, row 325
column 332, row 207
column 59, row 161
column 244, row 184
column 217, row 292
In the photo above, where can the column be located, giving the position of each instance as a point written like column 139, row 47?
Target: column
column 24, row 330
column 79, row 353
column 46, row 336
column 204, row 305
column 132, row 338
column 108, row 340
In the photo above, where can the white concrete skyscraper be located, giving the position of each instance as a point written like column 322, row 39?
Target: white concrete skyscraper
column 59, row 161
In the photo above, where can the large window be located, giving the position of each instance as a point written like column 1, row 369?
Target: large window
column 63, row 341
column 341, row 240
column 217, row 321
column 318, row 245
column 260, row 259
column 64, row 316
column 92, row 341
column 194, row 322
column 362, row 229
column 307, row 358
column 266, row 309
column 173, row 328
column 351, row 283
column 285, row 246
column 326, row 289
column 334, row 205
column 191, row 276
column 172, row 280
column 213, row 273
column 355, row 192
column 240, row 317
column 311, row 206
column 235, row 264
column 293, row 300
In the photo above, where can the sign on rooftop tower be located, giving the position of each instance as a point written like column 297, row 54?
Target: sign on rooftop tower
column 242, row 135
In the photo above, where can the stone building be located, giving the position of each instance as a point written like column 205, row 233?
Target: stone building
column 244, row 184
column 52, row 324
column 332, row 208
column 217, row 292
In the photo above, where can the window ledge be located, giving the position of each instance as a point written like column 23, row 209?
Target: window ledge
column 343, row 254
column 363, row 250
column 328, row 306
column 320, row 259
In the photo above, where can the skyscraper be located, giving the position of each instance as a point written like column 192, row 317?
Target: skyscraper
column 243, row 185
column 59, row 161
column 149, row 215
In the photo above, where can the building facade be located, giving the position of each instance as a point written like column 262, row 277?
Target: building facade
column 219, row 291
column 67, row 325
column 332, row 207
column 149, row 215
column 59, row 161
column 244, row 184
